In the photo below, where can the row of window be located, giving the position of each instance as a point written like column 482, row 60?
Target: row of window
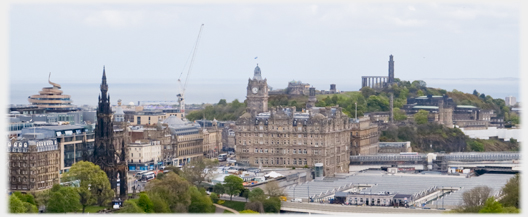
column 285, row 161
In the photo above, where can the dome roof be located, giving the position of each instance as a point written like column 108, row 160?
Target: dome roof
column 174, row 121
column 257, row 75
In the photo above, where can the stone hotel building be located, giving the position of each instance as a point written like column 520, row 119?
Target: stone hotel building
column 283, row 137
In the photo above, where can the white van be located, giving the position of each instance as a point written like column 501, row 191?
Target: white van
column 297, row 200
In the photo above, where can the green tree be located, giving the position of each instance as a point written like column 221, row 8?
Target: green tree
column 25, row 197
column 491, row 206
column 510, row 193
column 421, row 117
column 200, row 202
column 257, row 194
column 214, row 197
column 245, row 193
column 15, row 205
column 94, row 184
column 145, row 203
column 475, row 145
column 130, row 207
column 222, row 102
column 65, row 200
column 420, row 93
column 173, row 189
column 399, row 115
column 367, row 92
column 233, row 185
column 475, row 93
column 218, row 189
column 160, row 206
column 272, row 205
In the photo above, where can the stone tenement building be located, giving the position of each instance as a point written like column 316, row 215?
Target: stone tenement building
column 33, row 164
column 284, row 137
column 364, row 137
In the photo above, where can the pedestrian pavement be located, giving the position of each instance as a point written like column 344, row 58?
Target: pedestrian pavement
column 225, row 208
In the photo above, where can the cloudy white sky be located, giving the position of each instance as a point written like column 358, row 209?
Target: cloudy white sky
column 317, row 43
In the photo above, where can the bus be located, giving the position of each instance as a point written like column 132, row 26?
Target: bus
column 147, row 176
column 222, row 157
column 139, row 175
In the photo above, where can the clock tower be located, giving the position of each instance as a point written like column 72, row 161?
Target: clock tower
column 257, row 93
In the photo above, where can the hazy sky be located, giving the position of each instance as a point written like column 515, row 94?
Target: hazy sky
column 316, row 43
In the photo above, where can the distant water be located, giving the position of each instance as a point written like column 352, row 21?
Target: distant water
column 208, row 91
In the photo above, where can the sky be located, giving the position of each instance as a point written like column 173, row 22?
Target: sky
column 461, row 46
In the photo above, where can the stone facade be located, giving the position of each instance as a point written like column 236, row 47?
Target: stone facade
column 297, row 88
column 285, row 138
column 33, row 164
column 257, row 93
column 144, row 155
column 109, row 148
column 364, row 137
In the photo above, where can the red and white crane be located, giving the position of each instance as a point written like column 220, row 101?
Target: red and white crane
column 181, row 95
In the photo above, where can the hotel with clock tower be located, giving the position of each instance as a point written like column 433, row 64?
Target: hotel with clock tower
column 257, row 93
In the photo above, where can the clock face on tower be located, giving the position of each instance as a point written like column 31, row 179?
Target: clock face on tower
column 255, row 90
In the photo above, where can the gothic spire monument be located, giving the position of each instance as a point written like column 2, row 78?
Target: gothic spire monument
column 107, row 146
column 257, row 93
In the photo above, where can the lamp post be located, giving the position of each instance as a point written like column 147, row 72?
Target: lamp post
column 443, row 197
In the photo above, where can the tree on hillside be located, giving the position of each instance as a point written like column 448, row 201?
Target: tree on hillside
column 491, row 206
column 15, row 205
column 200, row 202
column 272, row 205
column 94, row 184
column 421, row 117
column 399, row 115
column 367, row 92
column 64, row 200
column 218, row 189
column 474, row 199
column 233, row 185
column 272, row 189
column 130, row 207
column 222, row 102
column 173, row 189
column 195, row 172
column 145, row 203
column 160, row 206
column 257, row 194
column 475, row 93
column 510, row 192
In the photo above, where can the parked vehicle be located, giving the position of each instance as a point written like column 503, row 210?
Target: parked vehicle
column 222, row 157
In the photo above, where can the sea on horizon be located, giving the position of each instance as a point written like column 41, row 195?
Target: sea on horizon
column 199, row 92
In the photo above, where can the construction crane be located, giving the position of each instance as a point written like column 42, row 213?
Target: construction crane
column 181, row 95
